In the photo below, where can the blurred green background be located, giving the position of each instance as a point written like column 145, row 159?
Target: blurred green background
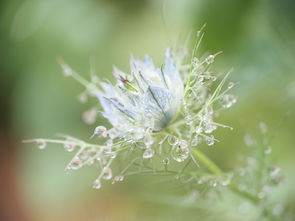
column 258, row 41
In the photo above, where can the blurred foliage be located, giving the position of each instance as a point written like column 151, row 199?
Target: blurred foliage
column 257, row 38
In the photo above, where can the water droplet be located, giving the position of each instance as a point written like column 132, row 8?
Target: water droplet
column 210, row 140
column 196, row 141
column 97, row 184
column 198, row 129
column 180, row 151
column 119, row 178
column 195, row 62
column 166, row 161
column 210, row 59
column 100, row 131
column 41, row 144
column 227, row 100
column 69, row 146
column 107, row 173
column 209, row 127
column 172, row 140
column 230, row 85
column 90, row 162
column 214, row 183
column 214, row 78
column 148, row 153
column 75, row 164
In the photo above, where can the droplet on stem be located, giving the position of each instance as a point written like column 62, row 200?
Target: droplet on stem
column 41, row 144
column 107, row 173
column 100, row 131
column 69, row 146
column 148, row 153
column 180, row 151
column 210, row 140
column 97, row 184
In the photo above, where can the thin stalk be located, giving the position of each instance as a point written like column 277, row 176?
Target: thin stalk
column 213, row 168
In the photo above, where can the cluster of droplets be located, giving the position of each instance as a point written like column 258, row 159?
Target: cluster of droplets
column 258, row 169
column 201, row 106
column 228, row 100
column 197, row 111
column 215, row 180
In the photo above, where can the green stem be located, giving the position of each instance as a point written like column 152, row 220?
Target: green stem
column 213, row 168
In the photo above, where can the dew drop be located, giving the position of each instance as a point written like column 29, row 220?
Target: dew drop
column 214, row 183
column 41, row 144
column 107, row 173
column 90, row 162
column 230, row 85
column 75, row 164
column 180, row 151
column 209, row 127
column 119, row 178
column 148, row 153
column 227, row 100
column 172, row 140
column 198, row 129
column 210, row 59
column 210, row 140
column 97, row 184
column 100, row 131
column 166, row 161
column 196, row 141
column 69, row 147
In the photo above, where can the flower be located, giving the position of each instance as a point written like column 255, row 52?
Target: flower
column 153, row 111
column 146, row 100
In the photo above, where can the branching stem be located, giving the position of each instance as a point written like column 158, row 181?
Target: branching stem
column 213, row 168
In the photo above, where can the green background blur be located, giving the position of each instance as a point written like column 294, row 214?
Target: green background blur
column 258, row 41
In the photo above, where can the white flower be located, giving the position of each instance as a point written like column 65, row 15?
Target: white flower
column 148, row 98
column 154, row 112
